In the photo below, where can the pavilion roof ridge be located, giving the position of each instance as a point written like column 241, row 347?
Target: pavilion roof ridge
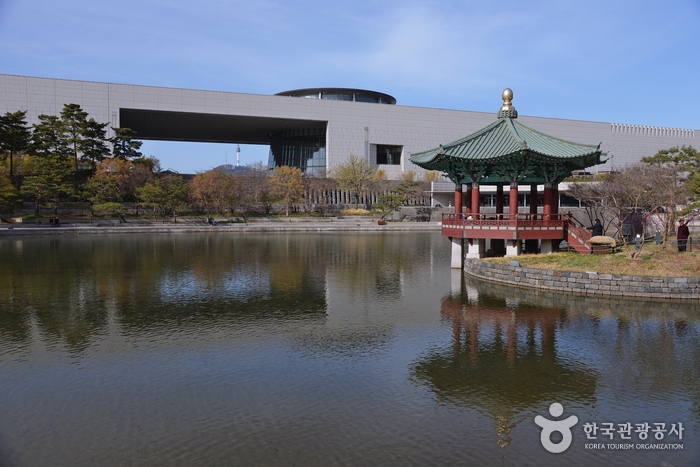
column 514, row 131
column 556, row 138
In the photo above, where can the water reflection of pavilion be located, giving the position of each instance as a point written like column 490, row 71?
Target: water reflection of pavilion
column 503, row 360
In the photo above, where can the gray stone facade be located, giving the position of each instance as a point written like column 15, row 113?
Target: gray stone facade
column 586, row 283
column 351, row 127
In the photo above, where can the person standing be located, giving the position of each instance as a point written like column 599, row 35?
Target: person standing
column 682, row 235
column 596, row 229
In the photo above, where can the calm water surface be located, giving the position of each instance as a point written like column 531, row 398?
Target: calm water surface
column 322, row 350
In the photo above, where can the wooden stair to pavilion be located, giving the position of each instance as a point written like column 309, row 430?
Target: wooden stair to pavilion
column 577, row 236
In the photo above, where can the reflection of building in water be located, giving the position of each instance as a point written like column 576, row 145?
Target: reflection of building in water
column 504, row 361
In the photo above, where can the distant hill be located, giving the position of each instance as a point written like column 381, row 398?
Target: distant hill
column 232, row 169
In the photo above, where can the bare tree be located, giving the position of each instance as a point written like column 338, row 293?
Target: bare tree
column 590, row 194
column 287, row 186
column 211, row 192
column 316, row 194
column 356, row 176
column 637, row 198
column 258, row 187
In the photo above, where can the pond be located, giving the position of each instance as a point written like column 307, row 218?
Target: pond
column 321, row 349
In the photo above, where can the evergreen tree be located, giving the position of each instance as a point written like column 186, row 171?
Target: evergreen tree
column 49, row 138
column 15, row 135
column 94, row 144
column 74, row 120
column 123, row 144
column 9, row 199
column 49, row 181
column 685, row 160
column 166, row 194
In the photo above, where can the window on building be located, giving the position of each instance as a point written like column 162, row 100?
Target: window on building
column 337, row 96
column 568, row 201
column 487, row 200
column 389, row 155
column 361, row 98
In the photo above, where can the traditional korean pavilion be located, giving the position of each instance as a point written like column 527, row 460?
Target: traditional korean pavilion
column 508, row 153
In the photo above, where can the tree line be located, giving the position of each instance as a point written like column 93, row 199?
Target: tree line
column 68, row 157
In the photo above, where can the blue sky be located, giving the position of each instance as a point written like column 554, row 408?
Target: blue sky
column 615, row 61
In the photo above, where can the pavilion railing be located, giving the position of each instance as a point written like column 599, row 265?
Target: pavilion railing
column 504, row 221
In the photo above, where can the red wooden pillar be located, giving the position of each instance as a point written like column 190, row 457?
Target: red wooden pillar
column 513, row 201
column 475, row 200
column 468, row 199
column 547, row 201
column 499, row 200
column 458, row 199
column 533, row 198
column 555, row 199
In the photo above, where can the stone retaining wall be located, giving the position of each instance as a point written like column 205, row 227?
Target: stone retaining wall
column 344, row 225
column 586, row 283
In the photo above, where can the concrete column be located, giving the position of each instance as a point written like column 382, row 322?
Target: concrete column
column 546, row 247
column 475, row 200
column 458, row 199
column 513, row 247
column 513, row 201
column 477, row 248
column 457, row 253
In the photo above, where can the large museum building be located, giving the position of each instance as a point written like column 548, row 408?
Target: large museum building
column 314, row 129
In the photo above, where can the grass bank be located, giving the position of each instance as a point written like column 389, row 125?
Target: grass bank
column 654, row 261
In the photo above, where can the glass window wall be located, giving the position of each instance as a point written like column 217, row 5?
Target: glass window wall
column 302, row 147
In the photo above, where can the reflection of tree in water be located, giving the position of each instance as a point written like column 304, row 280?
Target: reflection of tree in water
column 490, row 367
column 66, row 285
column 35, row 287
column 71, row 288
column 377, row 263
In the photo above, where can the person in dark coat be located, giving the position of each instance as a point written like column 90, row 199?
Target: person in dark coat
column 682, row 235
column 596, row 228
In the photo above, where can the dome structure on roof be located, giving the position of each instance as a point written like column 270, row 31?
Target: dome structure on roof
column 341, row 94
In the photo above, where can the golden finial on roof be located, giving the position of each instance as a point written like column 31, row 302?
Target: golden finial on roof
column 507, row 110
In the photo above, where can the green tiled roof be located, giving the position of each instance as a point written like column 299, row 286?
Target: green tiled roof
column 487, row 155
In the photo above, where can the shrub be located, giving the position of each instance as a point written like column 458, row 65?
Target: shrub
column 354, row 212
